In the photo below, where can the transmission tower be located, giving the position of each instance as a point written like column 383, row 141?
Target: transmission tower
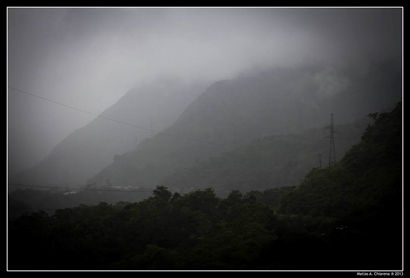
column 332, row 149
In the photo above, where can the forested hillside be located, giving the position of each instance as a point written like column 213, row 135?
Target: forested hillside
column 270, row 162
column 232, row 113
column 368, row 176
column 348, row 216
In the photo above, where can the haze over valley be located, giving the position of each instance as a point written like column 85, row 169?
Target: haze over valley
column 204, row 138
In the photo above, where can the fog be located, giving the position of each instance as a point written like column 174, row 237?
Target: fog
column 89, row 58
column 205, row 139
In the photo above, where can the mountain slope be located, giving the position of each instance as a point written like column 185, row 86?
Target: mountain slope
column 367, row 177
column 235, row 112
column 270, row 162
column 89, row 149
column 347, row 217
column 363, row 192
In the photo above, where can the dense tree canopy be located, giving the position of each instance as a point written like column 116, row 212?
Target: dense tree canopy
column 347, row 216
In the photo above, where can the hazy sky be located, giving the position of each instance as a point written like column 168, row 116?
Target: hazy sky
column 89, row 58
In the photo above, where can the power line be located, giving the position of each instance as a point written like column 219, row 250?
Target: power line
column 77, row 109
column 110, row 119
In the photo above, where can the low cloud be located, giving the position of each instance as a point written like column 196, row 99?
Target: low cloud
column 89, row 58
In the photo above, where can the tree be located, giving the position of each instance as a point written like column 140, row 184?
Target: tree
column 162, row 193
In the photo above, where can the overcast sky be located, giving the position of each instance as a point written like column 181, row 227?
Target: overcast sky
column 89, row 58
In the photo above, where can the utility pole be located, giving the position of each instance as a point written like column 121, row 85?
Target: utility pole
column 332, row 149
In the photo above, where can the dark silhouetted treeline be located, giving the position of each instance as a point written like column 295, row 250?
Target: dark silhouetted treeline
column 348, row 216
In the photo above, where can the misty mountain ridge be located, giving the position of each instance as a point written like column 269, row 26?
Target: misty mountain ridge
column 234, row 112
column 137, row 115
column 271, row 163
column 266, row 163
column 333, row 219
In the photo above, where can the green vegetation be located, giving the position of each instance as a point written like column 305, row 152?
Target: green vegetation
column 265, row 164
column 368, row 176
column 235, row 112
column 30, row 200
column 344, row 217
column 271, row 162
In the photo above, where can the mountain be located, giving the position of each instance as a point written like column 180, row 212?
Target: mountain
column 363, row 193
column 270, row 162
column 344, row 217
column 144, row 109
column 234, row 112
column 367, row 178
